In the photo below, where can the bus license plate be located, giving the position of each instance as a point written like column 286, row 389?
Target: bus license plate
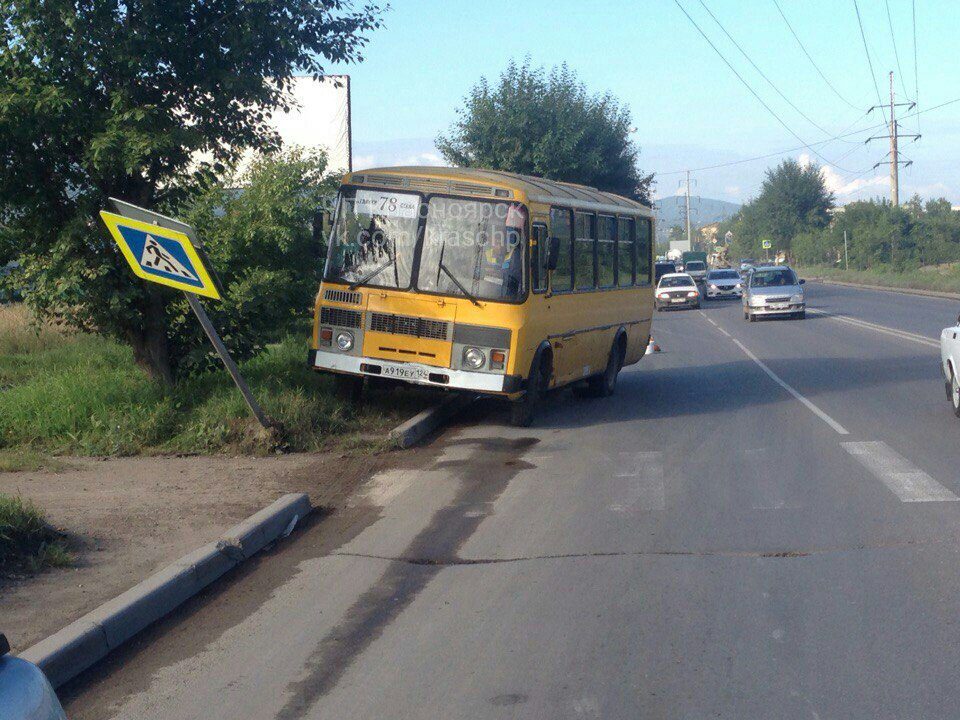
column 405, row 373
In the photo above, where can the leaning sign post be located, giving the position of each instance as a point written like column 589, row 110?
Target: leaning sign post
column 165, row 251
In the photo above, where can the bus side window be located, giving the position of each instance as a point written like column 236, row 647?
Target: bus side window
column 626, row 255
column 585, row 251
column 607, row 251
column 644, row 249
column 561, row 226
column 540, row 256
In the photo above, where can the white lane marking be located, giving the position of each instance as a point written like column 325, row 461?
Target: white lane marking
column 907, row 482
column 782, row 383
column 857, row 322
column 712, row 322
column 645, row 472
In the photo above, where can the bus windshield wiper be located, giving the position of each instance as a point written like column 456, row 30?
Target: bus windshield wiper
column 456, row 282
column 366, row 278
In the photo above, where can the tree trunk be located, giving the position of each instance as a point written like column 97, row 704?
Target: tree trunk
column 150, row 344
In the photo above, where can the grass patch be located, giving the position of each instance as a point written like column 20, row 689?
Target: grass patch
column 14, row 459
column 27, row 542
column 82, row 394
column 940, row 278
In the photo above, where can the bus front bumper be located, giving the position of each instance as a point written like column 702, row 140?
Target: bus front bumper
column 415, row 373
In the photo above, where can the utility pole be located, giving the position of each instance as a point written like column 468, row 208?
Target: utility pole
column 893, row 136
column 846, row 256
column 894, row 165
column 689, row 242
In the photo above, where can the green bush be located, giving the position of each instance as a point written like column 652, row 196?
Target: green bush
column 27, row 542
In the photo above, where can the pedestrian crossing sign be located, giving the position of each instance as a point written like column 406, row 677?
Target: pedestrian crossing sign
column 161, row 255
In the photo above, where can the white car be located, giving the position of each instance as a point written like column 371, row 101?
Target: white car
column 697, row 269
column 950, row 364
column 723, row 283
column 676, row 290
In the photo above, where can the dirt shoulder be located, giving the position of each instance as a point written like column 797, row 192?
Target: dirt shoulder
column 129, row 517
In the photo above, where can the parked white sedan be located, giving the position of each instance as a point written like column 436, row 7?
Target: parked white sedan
column 950, row 364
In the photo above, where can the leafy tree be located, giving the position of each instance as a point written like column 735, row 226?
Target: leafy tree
column 106, row 98
column 677, row 233
column 546, row 123
column 267, row 255
column 793, row 199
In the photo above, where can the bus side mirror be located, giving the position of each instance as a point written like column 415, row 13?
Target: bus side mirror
column 553, row 254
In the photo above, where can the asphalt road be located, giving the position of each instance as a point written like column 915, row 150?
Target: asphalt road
column 762, row 523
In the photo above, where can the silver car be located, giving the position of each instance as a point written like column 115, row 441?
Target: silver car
column 773, row 290
column 723, row 283
column 25, row 693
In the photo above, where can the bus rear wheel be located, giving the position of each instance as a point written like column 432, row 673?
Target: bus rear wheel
column 606, row 384
column 524, row 410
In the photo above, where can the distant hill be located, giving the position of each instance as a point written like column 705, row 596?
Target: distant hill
column 703, row 211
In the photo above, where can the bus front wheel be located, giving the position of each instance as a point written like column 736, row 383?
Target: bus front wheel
column 523, row 411
column 348, row 388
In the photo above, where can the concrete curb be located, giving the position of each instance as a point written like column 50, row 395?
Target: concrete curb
column 422, row 424
column 884, row 288
column 67, row 653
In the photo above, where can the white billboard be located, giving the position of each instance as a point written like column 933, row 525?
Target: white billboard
column 321, row 118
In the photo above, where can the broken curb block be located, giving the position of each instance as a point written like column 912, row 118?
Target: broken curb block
column 67, row 653
column 422, row 424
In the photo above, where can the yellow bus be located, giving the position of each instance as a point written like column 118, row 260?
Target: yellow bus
column 483, row 281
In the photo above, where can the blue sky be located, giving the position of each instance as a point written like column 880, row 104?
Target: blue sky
column 689, row 108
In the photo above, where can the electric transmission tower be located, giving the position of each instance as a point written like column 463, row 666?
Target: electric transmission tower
column 893, row 135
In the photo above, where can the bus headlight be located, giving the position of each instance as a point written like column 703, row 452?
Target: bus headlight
column 473, row 358
column 344, row 340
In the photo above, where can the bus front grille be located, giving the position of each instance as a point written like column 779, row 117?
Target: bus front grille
column 408, row 325
column 343, row 296
column 340, row 317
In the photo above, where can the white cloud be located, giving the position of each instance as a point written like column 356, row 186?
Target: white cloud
column 840, row 186
column 733, row 190
column 363, row 162
column 424, row 158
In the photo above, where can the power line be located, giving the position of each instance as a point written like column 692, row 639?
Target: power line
column 873, row 75
column 893, row 39
column 916, row 82
column 804, row 147
column 762, row 74
column 810, row 57
column 752, row 91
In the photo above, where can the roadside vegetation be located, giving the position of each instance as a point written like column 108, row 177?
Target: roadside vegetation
column 939, row 278
column 27, row 542
column 915, row 245
column 76, row 393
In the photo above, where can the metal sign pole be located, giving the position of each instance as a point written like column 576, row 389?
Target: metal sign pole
column 228, row 361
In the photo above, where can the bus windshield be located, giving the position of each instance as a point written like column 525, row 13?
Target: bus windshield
column 473, row 248
column 374, row 238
